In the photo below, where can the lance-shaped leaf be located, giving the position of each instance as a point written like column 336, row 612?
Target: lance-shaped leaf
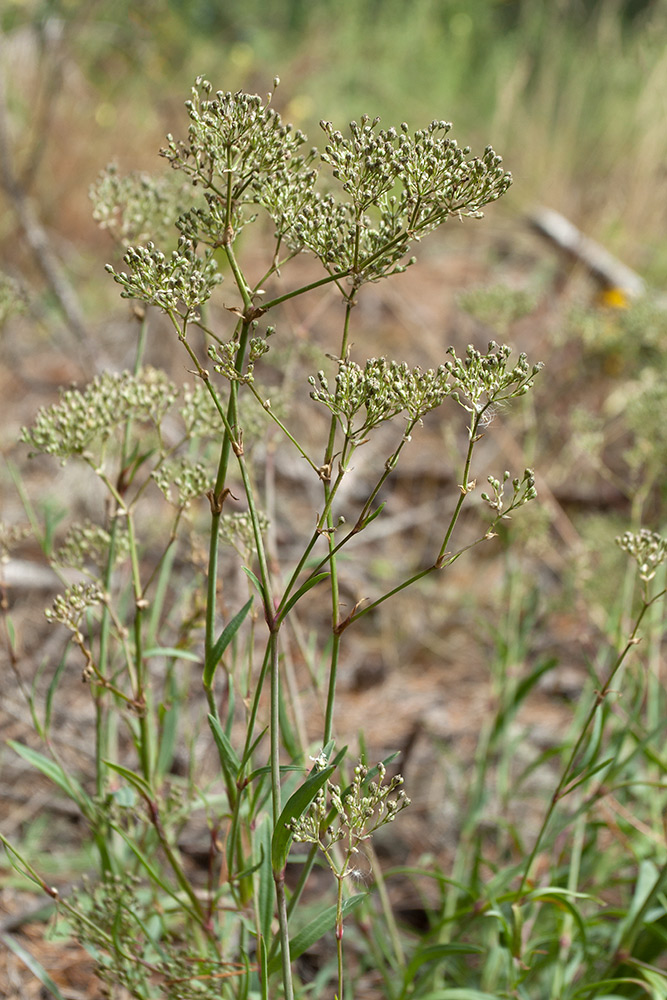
column 229, row 761
column 317, row 928
column 303, row 589
column 295, row 806
column 57, row 775
column 221, row 643
column 299, row 801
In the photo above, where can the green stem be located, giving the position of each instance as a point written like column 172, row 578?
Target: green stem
column 472, row 440
column 333, row 673
column 241, row 283
column 305, row 288
column 279, row 879
column 141, row 694
column 265, row 406
column 339, row 937
column 358, row 527
column 561, row 788
column 335, row 595
column 106, row 722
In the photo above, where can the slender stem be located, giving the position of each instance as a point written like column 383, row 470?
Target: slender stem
column 463, row 486
column 142, row 694
column 333, row 674
column 105, row 721
column 322, row 520
column 561, row 788
column 416, row 577
column 390, row 465
column 241, row 283
column 275, row 266
column 266, row 406
column 279, row 879
column 305, row 288
column 335, row 595
column 274, row 662
column 252, row 719
column 339, row 936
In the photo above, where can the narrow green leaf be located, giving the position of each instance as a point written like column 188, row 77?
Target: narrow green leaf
column 591, row 989
column 223, row 640
column 250, row 870
column 313, row 931
column 295, row 806
column 265, row 888
column 657, row 981
column 229, row 761
column 31, row 963
column 165, row 574
column 563, row 898
column 172, row 652
column 253, row 746
column 248, row 572
column 586, row 775
column 154, row 874
column 132, row 778
column 434, row 953
column 168, row 731
column 303, row 589
column 52, row 690
column 649, row 884
column 523, row 689
column 459, row 993
column 592, row 749
column 376, row 513
column 263, row 952
column 287, row 735
column 55, row 773
column 261, row 772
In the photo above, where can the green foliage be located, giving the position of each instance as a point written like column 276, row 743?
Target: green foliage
column 520, row 914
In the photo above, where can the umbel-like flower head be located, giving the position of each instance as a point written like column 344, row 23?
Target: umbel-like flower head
column 82, row 418
column 395, row 186
column 647, row 548
column 181, row 280
column 233, row 139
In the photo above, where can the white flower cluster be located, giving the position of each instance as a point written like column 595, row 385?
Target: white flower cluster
column 379, row 391
column 647, row 548
column 81, row 417
column 180, row 280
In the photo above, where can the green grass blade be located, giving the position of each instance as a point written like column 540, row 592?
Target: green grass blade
column 435, row 952
column 31, row 963
column 55, row 773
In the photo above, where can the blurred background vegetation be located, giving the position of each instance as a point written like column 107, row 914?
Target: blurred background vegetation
column 573, row 93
